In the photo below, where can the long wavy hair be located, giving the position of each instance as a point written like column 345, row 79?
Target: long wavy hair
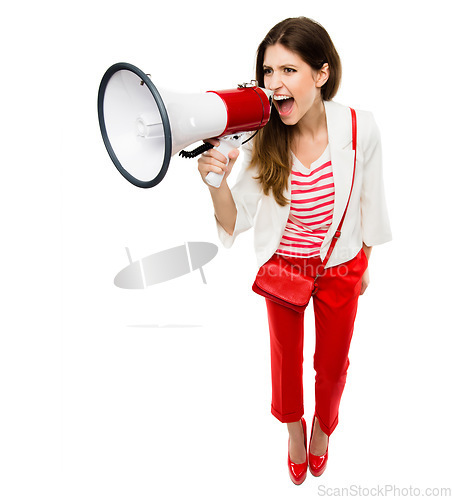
column 271, row 146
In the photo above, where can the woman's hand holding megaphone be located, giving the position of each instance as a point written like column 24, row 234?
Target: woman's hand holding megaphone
column 216, row 162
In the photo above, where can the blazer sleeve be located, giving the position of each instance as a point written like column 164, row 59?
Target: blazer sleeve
column 374, row 213
column 246, row 193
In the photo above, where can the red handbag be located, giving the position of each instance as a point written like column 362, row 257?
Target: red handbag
column 284, row 283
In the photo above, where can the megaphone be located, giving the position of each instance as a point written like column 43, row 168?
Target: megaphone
column 143, row 127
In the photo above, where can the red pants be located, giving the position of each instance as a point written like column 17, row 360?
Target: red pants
column 335, row 305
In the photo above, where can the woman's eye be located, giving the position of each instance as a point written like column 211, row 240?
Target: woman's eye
column 267, row 71
column 289, row 70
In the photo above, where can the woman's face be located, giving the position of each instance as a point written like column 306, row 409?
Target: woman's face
column 295, row 84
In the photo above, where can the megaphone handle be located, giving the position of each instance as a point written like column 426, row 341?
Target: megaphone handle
column 227, row 144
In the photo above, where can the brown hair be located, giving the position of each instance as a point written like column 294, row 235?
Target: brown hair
column 271, row 149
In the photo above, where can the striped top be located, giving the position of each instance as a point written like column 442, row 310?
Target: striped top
column 311, row 208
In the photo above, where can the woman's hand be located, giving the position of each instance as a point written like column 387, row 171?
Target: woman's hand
column 366, row 278
column 214, row 161
column 365, row 281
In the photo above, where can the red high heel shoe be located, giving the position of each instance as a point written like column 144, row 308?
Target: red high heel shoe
column 298, row 472
column 317, row 464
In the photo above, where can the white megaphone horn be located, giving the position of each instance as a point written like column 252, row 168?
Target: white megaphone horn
column 143, row 127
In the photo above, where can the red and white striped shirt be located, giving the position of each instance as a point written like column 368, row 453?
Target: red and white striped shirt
column 311, row 208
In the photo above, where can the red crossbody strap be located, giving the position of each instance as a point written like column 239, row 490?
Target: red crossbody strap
column 338, row 231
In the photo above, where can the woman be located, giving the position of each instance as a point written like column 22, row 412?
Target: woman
column 293, row 188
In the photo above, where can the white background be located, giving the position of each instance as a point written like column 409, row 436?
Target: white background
column 165, row 393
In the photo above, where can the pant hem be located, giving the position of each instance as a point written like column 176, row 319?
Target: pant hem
column 287, row 417
column 327, row 430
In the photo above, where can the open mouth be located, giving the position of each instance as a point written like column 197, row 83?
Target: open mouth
column 283, row 103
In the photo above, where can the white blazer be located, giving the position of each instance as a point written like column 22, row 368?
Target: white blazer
column 367, row 217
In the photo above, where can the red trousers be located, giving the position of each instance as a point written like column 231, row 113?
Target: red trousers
column 335, row 305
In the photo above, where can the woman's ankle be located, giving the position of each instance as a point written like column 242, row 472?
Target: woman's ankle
column 295, row 429
column 297, row 449
column 319, row 439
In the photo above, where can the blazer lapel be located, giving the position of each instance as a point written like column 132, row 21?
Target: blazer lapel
column 339, row 126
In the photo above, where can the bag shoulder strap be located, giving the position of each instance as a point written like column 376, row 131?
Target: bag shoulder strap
column 337, row 234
